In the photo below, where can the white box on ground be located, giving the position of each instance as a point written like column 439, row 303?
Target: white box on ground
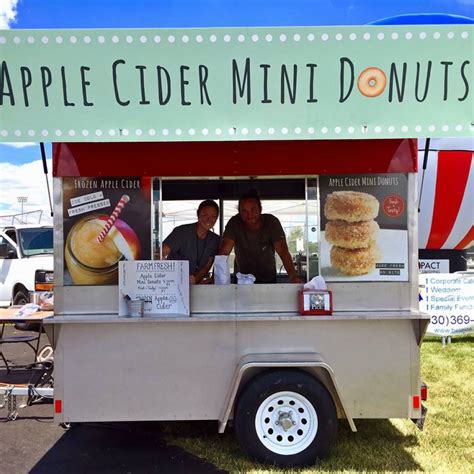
column 162, row 284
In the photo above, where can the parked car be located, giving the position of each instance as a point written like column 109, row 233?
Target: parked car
column 26, row 262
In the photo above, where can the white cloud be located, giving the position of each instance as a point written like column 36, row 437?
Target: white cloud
column 7, row 13
column 24, row 180
column 18, row 144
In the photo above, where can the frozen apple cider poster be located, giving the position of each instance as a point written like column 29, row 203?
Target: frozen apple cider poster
column 106, row 220
column 364, row 233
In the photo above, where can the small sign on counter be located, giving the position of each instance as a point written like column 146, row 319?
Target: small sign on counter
column 315, row 302
column 162, row 284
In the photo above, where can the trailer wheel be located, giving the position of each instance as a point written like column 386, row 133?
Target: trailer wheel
column 286, row 418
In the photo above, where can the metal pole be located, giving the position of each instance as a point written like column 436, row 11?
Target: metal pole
column 45, row 169
column 425, row 164
column 21, row 200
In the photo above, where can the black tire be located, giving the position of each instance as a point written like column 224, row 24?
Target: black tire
column 21, row 297
column 306, row 406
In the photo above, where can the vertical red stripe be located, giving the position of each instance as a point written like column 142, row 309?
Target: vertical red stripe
column 58, row 406
column 466, row 240
column 451, row 179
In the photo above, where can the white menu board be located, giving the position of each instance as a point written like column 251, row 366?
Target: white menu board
column 162, row 284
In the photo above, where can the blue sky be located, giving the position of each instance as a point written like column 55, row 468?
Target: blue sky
column 194, row 13
column 19, row 166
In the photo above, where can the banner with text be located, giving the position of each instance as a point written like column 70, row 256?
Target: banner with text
column 449, row 299
column 236, row 83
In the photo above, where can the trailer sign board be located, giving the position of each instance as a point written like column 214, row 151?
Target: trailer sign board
column 163, row 285
column 212, row 84
column 449, row 299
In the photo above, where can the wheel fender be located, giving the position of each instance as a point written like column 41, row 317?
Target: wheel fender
column 311, row 362
column 19, row 286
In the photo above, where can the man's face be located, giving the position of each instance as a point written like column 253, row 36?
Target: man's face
column 207, row 217
column 249, row 212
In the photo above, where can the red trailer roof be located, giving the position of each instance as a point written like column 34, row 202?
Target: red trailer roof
column 246, row 158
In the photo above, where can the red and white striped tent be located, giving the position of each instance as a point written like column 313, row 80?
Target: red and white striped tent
column 446, row 193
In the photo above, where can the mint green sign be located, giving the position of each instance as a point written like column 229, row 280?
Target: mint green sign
column 236, row 83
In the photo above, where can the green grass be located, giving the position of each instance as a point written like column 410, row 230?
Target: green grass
column 445, row 446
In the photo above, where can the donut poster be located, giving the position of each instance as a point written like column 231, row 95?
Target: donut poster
column 106, row 220
column 364, row 234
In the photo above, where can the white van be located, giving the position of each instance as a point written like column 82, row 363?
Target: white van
column 26, row 262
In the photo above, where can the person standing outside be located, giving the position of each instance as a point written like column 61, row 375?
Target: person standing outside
column 256, row 237
column 195, row 242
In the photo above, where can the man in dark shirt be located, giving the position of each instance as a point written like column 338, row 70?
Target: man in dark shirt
column 256, row 237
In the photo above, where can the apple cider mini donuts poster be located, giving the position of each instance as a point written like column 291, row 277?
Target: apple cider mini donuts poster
column 106, row 220
column 364, row 233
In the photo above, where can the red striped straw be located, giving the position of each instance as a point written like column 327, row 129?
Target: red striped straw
column 113, row 217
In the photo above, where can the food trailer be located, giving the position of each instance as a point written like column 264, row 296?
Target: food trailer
column 324, row 118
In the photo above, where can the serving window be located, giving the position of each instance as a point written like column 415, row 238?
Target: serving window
column 293, row 201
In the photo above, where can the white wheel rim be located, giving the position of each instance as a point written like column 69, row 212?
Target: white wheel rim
column 286, row 423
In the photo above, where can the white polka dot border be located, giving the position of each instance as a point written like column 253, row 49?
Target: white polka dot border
column 284, row 37
column 298, row 131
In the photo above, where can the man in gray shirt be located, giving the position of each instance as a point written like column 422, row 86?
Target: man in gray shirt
column 256, row 237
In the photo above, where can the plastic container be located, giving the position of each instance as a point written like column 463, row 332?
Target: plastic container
column 35, row 297
column 136, row 308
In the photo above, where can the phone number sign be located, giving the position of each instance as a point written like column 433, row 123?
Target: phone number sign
column 449, row 299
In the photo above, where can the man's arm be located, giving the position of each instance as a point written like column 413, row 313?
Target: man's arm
column 282, row 249
column 166, row 250
column 226, row 246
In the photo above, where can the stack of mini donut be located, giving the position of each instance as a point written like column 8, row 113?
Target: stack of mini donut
column 352, row 231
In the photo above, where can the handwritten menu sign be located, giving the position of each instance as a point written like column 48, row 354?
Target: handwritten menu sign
column 163, row 285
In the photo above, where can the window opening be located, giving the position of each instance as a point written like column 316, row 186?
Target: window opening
column 293, row 201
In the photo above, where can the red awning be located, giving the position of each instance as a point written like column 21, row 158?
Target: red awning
column 246, row 158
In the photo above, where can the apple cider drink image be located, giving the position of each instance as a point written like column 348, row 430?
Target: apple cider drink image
column 96, row 243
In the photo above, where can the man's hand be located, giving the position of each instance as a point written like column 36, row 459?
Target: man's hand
column 282, row 249
column 296, row 279
column 226, row 247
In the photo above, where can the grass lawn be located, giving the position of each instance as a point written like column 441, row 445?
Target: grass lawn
column 446, row 444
